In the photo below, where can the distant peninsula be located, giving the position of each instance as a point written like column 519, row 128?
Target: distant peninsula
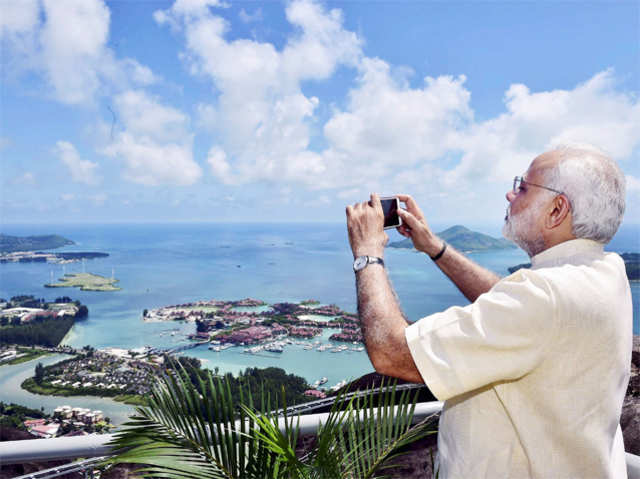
column 464, row 239
column 631, row 264
column 9, row 244
column 27, row 249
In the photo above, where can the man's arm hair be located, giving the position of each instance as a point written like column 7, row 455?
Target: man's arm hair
column 383, row 324
column 471, row 279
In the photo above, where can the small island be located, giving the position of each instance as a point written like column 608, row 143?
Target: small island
column 465, row 240
column 86, row 282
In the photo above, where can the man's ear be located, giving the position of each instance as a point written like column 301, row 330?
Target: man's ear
column 560, row 210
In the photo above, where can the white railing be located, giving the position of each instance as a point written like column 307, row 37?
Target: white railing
column 42, row 450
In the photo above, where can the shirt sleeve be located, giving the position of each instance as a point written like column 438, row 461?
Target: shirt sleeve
column 501, row 336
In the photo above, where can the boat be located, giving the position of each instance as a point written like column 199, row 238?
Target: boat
column 275, row 348
column 323, row 380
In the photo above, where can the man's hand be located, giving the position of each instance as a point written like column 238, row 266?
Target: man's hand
column 365, row 223
column 415, row 226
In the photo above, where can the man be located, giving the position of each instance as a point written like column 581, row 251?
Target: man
column 534, row 371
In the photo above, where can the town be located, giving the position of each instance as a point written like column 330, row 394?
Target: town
column 251, row 322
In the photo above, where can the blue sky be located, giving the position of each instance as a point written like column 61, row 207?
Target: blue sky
column 210, row 110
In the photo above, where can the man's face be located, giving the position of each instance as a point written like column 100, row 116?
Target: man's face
column 526, row 210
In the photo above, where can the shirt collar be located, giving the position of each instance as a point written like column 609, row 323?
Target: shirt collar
column 559, row 253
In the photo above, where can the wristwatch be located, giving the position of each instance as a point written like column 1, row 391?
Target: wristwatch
column 361, row 262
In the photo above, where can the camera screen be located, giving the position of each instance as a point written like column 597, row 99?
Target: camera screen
column 390, row 210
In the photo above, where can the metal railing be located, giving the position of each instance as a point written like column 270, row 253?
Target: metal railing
column 86, row 467
column 95, row 446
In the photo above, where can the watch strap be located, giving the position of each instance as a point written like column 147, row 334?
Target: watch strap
column 368, row 260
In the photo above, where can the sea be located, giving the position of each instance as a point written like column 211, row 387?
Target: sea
column 165, row 264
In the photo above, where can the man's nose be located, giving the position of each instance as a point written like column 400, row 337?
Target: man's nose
column 510, row 196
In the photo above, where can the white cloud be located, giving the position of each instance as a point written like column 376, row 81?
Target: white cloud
column 391, row 134
column 18, row 17
column 156, row 145
column 66, row 42
column 265, row 133
column 73, row 41
column 593, row 112
column 67, row 196
column 82, row 171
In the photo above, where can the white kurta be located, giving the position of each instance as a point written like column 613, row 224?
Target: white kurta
column 534, row 372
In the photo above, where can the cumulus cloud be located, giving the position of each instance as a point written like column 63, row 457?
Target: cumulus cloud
column 82, row 171
column 265, row 133
column 155, row 146
column 389, row 134
column 66, row 42
column 593, row 112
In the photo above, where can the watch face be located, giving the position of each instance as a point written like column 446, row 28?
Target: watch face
column 359, row 263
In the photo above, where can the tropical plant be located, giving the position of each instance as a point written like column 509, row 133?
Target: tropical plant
column 197, row 431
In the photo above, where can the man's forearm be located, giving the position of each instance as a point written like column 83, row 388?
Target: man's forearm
column 383, row 325
column 470, row 278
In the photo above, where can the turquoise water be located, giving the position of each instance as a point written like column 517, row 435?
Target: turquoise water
column 12, row 376
column 159, row 265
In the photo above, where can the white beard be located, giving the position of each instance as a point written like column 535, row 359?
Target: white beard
column 520, row 228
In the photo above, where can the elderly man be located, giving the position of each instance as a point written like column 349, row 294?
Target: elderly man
column 534, row 371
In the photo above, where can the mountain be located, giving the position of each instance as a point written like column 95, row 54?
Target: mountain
column 9, row 244
column 463, row 239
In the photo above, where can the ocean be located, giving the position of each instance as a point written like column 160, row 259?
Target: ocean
column 160, row 265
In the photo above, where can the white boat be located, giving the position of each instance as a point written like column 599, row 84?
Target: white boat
column 323, row 380
column 275, row 348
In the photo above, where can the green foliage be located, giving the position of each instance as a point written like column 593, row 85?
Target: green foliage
column 31, row 243
column 82, row 312
column 39, row 373
column 48, row 332
column 13, row 415
column 199, row 431
column 257, row 381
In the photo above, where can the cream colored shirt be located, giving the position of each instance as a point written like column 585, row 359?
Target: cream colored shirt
column 534, row 372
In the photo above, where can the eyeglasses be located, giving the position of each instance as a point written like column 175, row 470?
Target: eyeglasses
column 518, row 181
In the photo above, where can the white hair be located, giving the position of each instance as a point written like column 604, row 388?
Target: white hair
column 595, row 187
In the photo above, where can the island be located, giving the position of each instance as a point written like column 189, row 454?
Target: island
column 465, row 240
column 631, row 264
column 262, row 327
column 86, row 282
column 26, row 249
column 9, row 244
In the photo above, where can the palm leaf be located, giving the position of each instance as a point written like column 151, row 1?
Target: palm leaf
column 185, row 433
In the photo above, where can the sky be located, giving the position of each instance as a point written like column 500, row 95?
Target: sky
column 274, row 111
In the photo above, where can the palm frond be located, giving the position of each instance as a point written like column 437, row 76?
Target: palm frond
column 201, row 432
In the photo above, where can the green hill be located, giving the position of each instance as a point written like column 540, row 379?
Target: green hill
column 464, row 239
column 9, row 244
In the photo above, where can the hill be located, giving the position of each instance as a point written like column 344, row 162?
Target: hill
column 464, row 239
column 9, row 244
